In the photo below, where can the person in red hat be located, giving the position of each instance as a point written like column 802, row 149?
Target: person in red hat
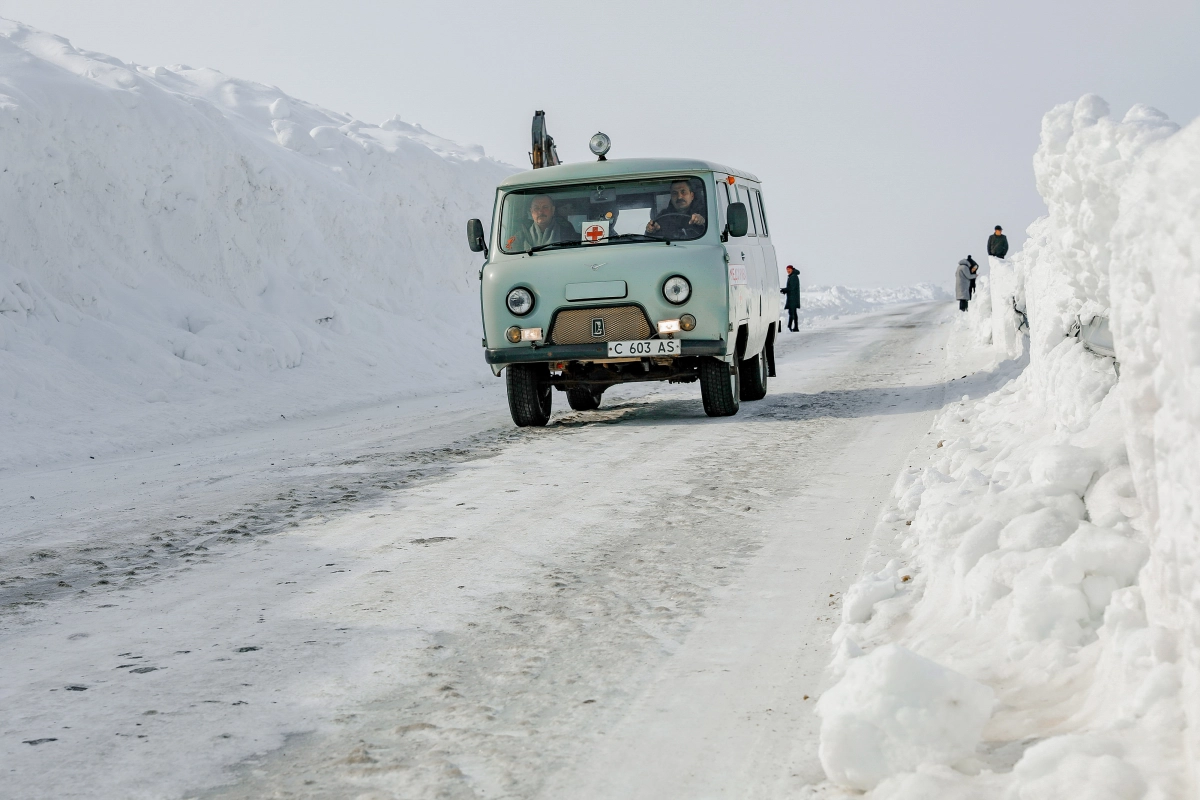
column 792, row 302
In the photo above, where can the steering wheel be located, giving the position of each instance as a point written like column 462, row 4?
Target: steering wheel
column 658, row 220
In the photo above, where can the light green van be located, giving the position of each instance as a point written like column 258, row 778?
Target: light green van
column 628, row 270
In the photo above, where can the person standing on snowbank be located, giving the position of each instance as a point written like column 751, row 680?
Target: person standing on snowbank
column 962, row 282
column 998, row 243
column 792, row 302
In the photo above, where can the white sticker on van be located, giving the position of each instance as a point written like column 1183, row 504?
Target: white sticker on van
column 595, row 231
column 738, row 276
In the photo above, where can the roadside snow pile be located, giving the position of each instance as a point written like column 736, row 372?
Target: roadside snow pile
column 822, row 303
column 1049, row 549
column 894, row 711
column 182, row 252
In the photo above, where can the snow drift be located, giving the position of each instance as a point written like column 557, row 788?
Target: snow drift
column 183, row 252
column 820, row 304
column 1052, row 538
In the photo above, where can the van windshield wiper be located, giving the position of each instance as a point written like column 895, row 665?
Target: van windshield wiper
column 638, row 237
column 568, row 243
column 618, row 238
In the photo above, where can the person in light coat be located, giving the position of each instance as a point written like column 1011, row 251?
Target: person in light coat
column 962, row 281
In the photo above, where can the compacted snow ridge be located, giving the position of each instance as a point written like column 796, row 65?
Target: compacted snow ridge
column 1028, row 621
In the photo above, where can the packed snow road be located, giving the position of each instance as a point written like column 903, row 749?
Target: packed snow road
column 422, row 601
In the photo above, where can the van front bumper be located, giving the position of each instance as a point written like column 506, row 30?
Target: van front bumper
column 589, row 352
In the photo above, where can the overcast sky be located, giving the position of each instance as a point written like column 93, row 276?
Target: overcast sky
column 890, row 136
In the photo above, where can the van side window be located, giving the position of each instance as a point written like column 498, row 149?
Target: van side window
column 762, row 212
column 745, row 197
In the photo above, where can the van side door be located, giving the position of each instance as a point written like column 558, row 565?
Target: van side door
column 736, row 252
column 772, row 300
column 753, row 259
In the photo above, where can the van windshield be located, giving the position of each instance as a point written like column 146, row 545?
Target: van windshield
column 657, row 209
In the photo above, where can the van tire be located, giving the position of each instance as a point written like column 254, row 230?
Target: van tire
column 582, row 398
column 719, row 387
column 753, row 372
column 529, row 394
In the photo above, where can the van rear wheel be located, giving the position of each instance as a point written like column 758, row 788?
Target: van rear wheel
column 719, row 387
column 581, row 398
column 529, row 394
column 753, row 372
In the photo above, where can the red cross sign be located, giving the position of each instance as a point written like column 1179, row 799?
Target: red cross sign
column 594, row 232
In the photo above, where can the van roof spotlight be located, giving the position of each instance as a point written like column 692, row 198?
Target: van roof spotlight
column 599, row 145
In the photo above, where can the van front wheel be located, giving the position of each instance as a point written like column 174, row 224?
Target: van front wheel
column 529, row 394
column 720, row 387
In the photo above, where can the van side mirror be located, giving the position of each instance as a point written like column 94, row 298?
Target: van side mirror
column 739, row 221
column 475, row 238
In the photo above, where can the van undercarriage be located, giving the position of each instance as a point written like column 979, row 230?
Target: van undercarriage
column 602, row 375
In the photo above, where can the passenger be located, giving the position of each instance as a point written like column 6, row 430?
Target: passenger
column 545, row 227
column 683, row 218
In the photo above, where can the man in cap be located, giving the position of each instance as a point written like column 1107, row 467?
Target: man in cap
column 998, row 243
column 792, row 302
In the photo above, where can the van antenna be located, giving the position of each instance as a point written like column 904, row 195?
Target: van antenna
column 544, row 153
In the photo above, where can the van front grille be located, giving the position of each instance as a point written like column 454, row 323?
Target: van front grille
column 614, row 324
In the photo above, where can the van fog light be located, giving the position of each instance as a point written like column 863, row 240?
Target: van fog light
column 513, row 334
column 668, row 326
column 687, row 322
column 531, row 334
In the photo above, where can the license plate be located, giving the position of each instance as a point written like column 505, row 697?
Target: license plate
column 645, row 347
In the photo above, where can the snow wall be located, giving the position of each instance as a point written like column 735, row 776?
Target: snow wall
column 1035, row 630
column 182, row 253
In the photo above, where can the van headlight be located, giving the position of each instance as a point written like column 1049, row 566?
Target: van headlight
column 677, row 290
column 520, row 301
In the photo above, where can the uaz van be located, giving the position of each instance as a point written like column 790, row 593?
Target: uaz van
column 628, row 270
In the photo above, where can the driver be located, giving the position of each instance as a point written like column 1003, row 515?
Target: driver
column 545, row 227
column 683, row 218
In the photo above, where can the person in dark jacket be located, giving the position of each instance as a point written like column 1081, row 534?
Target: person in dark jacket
column 683, row 218
column 792, row 302
column 974, row 273
column 998, row 243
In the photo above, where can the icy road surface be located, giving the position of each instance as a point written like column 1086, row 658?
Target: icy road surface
column 423, row 601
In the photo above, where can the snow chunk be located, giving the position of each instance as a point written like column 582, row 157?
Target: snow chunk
column 893, row 711
column 862, row 596
column 1063, row 465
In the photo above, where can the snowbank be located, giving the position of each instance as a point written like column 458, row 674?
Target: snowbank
column 182, row 252
column 1052, row 536
column 820, row 304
